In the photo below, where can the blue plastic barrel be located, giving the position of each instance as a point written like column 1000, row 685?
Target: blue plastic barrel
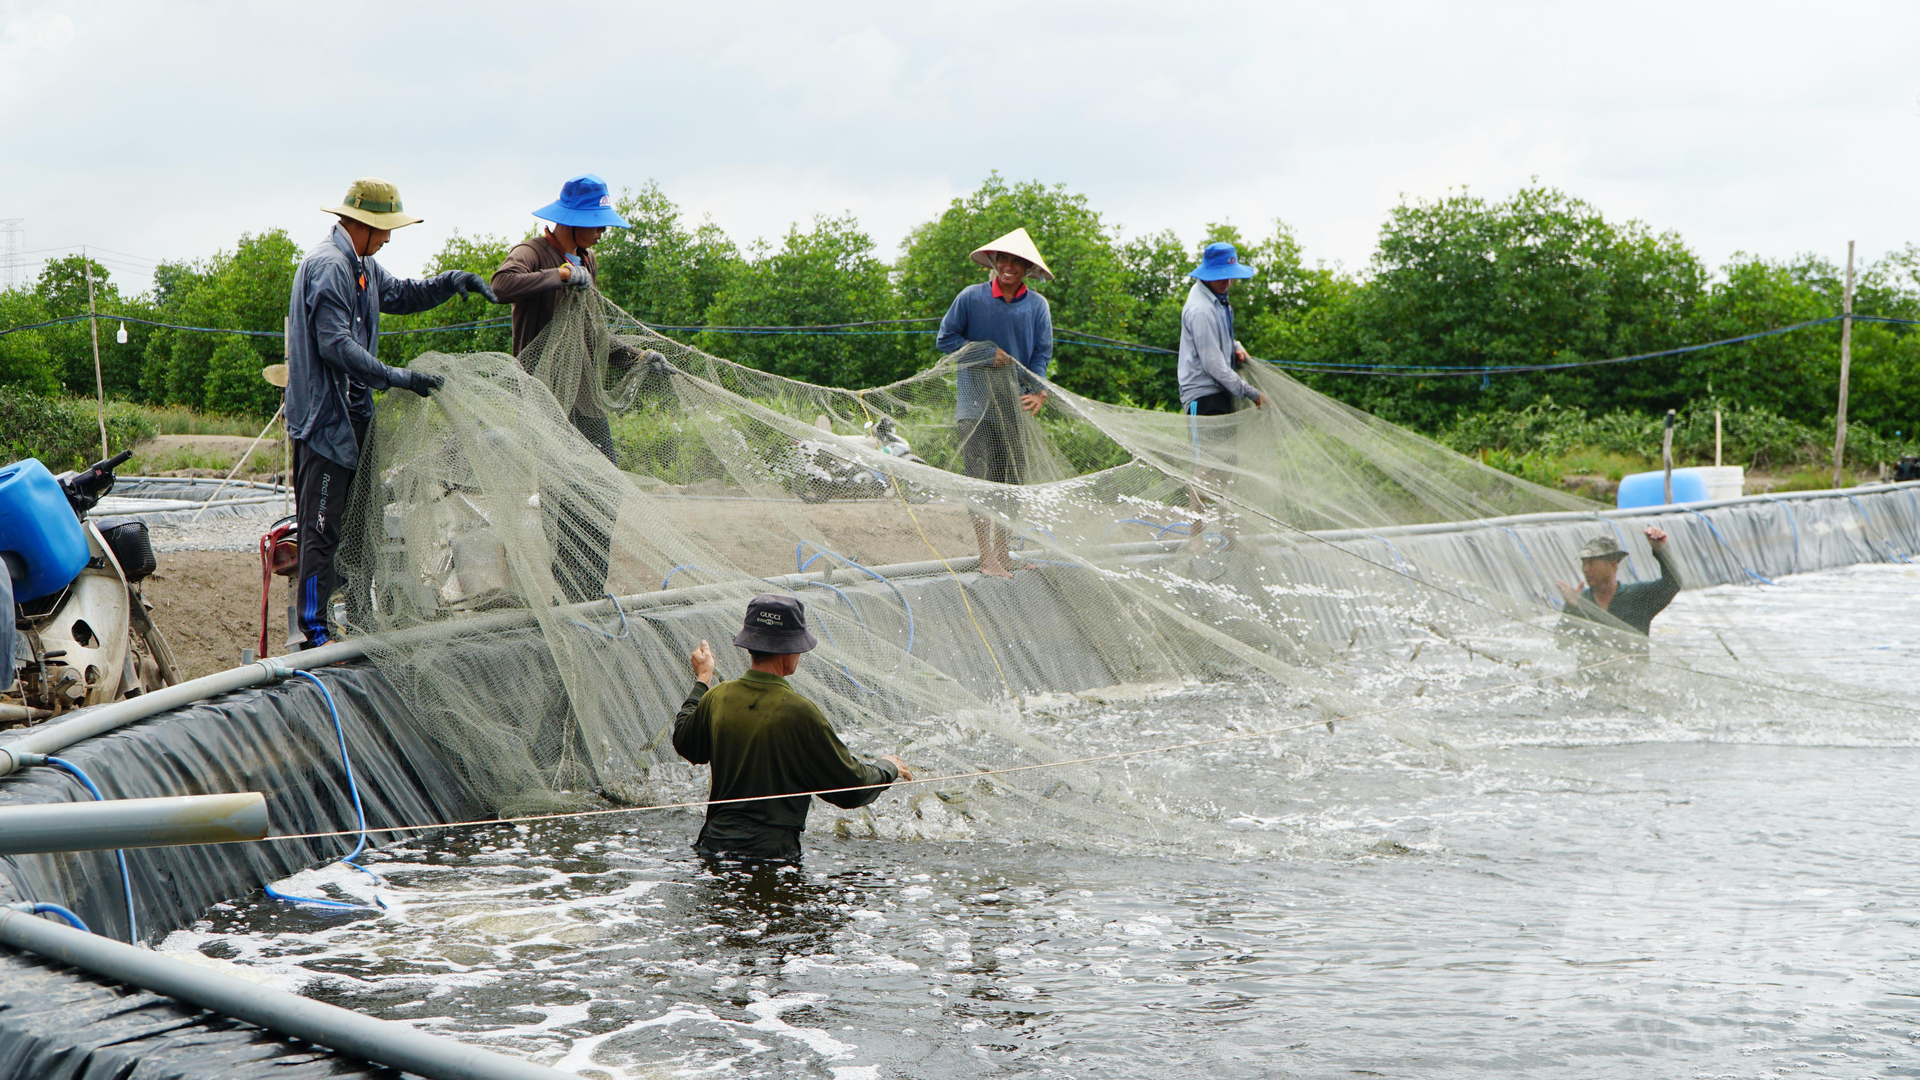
column 37, row 525
column 1650, row 488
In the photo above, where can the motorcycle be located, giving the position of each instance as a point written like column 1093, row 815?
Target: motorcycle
column 818, row 469
column 82, row 634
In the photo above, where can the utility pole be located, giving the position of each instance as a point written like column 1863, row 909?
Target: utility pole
column 99, row 384
column 1846, row 357
column 11, row 230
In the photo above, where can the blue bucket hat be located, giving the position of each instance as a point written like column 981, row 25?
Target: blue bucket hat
column 1221, row 261
column 584, row 202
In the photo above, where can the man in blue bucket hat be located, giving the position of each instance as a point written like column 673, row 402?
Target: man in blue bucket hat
column 535, row 277
column 1210, row 359
column 1209, row 355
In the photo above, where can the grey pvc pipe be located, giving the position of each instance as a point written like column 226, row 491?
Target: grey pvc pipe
column 132, row 823
column 100, row 719
column 384, row 1042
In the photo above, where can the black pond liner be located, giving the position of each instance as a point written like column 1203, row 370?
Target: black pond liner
column 60, row 1024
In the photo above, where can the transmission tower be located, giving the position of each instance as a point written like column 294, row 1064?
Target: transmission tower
column 11, row 230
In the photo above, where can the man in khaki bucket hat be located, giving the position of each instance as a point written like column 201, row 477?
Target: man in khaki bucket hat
column 333, row 368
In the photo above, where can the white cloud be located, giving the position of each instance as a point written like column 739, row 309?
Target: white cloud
column 167, row 131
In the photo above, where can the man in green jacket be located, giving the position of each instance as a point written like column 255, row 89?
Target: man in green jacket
column 768, row 745
column 1609, row 603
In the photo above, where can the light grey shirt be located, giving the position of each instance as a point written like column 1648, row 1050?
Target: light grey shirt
column 1206, row 348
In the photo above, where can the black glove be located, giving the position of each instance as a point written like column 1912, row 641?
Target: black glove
column 464, row 283
column 425, row 383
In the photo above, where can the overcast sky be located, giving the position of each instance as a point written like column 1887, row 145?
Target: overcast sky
column 167, row 130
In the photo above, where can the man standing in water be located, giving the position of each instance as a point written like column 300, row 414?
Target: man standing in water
column 333, row 368
column 767, row 743
column 1209, row 361
column 1019, row 324
column 1623, row 607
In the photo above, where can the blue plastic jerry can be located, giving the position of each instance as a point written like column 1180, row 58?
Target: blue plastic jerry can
column 1650, row 488
column 40, row 529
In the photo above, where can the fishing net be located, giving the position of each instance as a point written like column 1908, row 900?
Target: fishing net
column 532, row 553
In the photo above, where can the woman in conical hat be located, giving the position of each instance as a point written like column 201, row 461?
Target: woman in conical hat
column 1017, row 322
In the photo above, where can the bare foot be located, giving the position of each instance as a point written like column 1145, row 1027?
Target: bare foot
column 994, row 569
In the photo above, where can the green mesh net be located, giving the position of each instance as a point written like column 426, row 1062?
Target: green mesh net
column 533, row 552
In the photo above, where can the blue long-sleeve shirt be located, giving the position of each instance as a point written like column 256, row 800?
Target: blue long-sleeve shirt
column 1023, row 328
column 1206, row 347
column 333, row 342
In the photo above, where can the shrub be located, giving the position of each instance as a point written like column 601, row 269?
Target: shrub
column 63, row 432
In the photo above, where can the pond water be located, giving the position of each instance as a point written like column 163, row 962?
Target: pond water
column 1561, row 894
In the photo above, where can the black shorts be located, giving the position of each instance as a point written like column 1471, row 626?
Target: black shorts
column 991, row 449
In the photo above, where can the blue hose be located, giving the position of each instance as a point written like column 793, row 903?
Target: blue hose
column 874, row 574
column 1888, row 544
column 1794, row 566
column 1527, row 554
column 827, row 630
column 54, row 909
column 625, row 630
column 359, row 814
column 1405, row 570
column 126, row 880
column 1736, row 556
column 675, row 570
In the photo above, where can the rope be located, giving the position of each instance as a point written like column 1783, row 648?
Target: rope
column 976, row 774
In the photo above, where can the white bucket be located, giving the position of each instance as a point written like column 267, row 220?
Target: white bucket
column 1723, row 481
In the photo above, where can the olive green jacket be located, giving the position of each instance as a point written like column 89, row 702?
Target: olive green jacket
column 765, row 742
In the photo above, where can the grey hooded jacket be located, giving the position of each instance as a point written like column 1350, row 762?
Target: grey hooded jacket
column 333, row 341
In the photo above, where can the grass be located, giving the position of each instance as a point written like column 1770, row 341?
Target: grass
column 180, row 420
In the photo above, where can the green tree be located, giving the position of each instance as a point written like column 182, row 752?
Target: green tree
column 1537, row 279
column 1090, row 293
column 245, row 290
column 26, row 361
column 657, row 270
column 822, row 276
column 403, row 337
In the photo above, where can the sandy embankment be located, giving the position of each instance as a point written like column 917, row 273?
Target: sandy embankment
column 208, row 602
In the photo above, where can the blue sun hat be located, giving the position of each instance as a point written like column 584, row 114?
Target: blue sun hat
column 1221, row 261
column 583, row 202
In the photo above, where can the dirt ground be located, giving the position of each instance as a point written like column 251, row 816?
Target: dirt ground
column 207, row 603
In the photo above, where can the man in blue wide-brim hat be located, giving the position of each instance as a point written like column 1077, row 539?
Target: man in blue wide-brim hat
column 1210, row 384
column 535, row 276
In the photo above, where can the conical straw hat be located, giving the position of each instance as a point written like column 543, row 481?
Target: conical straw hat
column 275, row 374
column 1018, row 243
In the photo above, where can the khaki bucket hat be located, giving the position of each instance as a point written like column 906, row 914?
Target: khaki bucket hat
column 373, row 201
column 1602, row 547
column 1018, row 243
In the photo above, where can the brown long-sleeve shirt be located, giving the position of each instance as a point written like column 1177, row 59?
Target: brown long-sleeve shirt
column 530, row 281
column 764, row 739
